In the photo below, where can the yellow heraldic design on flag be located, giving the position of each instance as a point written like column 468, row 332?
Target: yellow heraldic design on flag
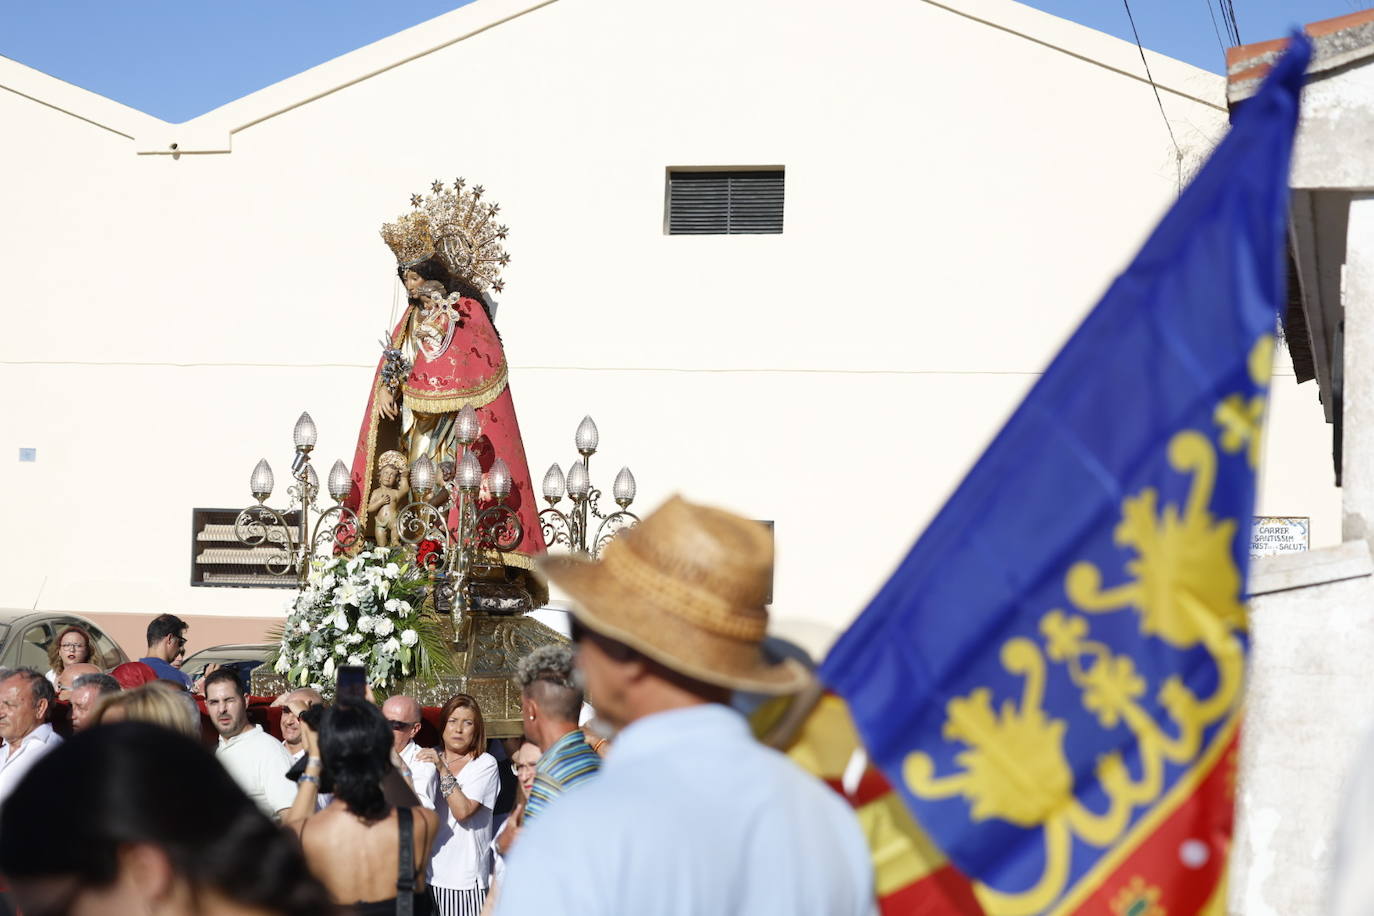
column 1242, row 421
column 1185, row 587
column 1015, row 767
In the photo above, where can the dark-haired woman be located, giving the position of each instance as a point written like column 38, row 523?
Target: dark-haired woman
column 468, row 783
column 134, row 818
column 354, row 844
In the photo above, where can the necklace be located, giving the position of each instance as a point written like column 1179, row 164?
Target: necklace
column 457, row 761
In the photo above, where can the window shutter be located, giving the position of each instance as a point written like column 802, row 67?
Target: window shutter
column 725, row 203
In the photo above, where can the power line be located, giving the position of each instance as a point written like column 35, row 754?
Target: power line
column 1221, row 44
column 1178, row 152
column 1228, row 15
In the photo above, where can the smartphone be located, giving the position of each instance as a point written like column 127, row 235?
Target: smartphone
column 352, row 683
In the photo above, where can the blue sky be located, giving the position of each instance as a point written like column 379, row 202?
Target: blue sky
column 180, row 58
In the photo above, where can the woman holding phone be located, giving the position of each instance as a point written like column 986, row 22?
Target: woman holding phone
column 468, row 782
column 354, row 844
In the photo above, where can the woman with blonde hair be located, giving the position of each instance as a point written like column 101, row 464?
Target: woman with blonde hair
column 73, row 646
column 160, row 703
column 460, row 869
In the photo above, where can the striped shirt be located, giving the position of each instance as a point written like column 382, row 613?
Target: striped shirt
column 569, row 761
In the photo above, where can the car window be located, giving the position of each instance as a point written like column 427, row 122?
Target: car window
column 106, row 649
column 33, row 649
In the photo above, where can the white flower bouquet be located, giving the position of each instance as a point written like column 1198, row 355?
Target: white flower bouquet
column 367, row 610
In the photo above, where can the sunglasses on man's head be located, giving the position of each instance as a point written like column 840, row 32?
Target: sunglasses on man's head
column 399, row 726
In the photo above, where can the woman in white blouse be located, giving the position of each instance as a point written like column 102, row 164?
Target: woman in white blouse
column 460, row 869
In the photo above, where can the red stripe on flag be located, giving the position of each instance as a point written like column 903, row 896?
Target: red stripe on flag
column 943, row 892
column 1178, row 864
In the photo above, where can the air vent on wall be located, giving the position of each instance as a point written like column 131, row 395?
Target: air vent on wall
column 742, row 202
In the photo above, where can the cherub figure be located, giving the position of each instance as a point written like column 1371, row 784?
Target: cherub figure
column 385, row 502
column 443, row 493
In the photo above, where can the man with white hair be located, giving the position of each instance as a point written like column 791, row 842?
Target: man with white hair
column 87, row 691
column 403, row 715
column 550, row 702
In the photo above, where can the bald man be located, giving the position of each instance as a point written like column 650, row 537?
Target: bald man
column 293, row 703
column 67, row 679
column 403, row 715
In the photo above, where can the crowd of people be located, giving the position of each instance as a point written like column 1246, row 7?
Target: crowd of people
column 679, row 810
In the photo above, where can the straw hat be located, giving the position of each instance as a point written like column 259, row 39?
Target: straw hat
column 686, row 588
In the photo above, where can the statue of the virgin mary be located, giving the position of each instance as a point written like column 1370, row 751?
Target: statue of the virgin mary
column 444, row 355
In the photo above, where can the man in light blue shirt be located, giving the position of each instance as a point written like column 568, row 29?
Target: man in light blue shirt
column 690, row 814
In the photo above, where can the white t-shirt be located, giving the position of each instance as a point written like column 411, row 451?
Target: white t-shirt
column 258, row 763
column 462, row 851
column 424, row 775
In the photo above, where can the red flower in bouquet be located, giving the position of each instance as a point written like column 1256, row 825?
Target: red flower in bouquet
column 429, row 555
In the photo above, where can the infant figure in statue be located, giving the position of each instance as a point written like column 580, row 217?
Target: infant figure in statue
column 384, row 503
column 437, row 319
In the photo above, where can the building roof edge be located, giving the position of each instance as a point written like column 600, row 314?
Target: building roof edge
column 1090, row 45
column 1335, row 43
column 212, row 131
column 82, row 104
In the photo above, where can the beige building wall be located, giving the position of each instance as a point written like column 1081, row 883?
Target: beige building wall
column 963, row 181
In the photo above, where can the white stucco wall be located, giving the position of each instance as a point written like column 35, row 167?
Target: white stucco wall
column 963, row 180
column 1308, row 710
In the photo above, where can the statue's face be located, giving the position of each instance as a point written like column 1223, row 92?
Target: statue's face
column 387, row 475
column 411, row 280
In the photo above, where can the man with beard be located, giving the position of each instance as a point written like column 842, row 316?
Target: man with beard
column 256, row 760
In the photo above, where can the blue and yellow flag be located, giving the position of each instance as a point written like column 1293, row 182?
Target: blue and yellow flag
column 1052, row 678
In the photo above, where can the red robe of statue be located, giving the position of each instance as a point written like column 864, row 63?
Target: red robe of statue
column 460, row 363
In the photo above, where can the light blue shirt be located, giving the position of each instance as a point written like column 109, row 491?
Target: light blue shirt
column 691, row 815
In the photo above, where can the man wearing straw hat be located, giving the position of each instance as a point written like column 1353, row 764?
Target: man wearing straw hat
column 691, row 815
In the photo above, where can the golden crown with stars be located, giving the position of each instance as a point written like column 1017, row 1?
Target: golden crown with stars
column 455, row 224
